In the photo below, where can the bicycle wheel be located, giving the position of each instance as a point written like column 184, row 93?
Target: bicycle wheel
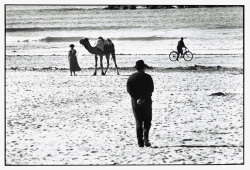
column 173, row 56
column 188, row 56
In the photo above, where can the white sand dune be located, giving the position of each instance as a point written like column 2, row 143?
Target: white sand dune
column 55, row 119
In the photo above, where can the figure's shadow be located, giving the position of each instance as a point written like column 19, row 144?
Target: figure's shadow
column 89, row 75
column 195, row 146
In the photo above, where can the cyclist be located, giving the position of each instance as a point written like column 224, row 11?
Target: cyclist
column 179, row 47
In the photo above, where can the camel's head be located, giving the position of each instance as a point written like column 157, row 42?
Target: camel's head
column 84, row 41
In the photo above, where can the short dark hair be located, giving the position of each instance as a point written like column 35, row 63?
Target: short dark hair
column 72, row 45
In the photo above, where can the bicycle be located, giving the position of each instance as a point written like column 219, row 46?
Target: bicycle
column 187, row 55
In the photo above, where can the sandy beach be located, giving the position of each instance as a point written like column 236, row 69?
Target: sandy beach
column 53, row 118
column 56, row 119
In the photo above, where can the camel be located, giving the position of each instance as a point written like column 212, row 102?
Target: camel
column 108, row 49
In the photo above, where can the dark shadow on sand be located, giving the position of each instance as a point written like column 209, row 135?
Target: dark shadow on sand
column 84, row 75
column 197, row 146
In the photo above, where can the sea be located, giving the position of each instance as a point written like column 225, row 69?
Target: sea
column 38, row 36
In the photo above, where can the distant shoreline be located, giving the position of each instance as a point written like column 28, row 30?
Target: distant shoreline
column 124, row 7
column 196, row 68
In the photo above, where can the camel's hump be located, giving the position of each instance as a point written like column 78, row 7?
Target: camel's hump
column 107, row 42
column 100, row 44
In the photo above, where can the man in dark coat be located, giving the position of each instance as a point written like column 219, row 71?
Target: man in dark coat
column 140, row 86
column 179, row 47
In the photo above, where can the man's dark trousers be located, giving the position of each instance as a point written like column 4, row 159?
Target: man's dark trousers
column 143, row 117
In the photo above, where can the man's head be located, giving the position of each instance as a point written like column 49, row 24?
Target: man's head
column 72, row 45
column 140, row 65
column 181, row 38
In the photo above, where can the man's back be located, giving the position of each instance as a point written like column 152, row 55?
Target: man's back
column 140, row 84
column 181, row 44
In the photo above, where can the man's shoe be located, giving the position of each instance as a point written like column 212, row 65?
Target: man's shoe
column 147, row 143
column 140, row 143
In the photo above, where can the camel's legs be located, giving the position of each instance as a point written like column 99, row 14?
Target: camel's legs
column 107, row 57
column 114, row 59
column 96, row 59
column 101, row 57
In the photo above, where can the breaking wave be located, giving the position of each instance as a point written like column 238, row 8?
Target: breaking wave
column 38, row 29
column 77, row 38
